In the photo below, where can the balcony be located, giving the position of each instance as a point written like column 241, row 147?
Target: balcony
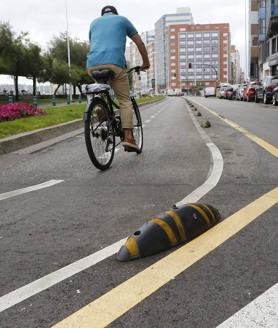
column 273, row 22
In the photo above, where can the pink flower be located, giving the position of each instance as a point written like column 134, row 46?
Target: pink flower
column 14, row 111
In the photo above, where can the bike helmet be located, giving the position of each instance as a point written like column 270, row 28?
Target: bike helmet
column 109, row 9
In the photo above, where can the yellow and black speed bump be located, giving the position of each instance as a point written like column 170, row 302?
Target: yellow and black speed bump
column 169, row 229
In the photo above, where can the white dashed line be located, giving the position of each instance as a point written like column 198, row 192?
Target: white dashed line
column 29, row 189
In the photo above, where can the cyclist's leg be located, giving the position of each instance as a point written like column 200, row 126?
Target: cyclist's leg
column 120, row 85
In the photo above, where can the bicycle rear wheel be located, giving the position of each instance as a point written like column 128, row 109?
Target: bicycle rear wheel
column 137, row 126
column 99, row 134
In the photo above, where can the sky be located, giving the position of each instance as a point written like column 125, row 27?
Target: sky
column 45, row 19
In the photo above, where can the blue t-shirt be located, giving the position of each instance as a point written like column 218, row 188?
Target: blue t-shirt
column 108, row 39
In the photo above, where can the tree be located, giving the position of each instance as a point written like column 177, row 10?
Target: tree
column 34, row 62
column 13, row 54
column 58, row 51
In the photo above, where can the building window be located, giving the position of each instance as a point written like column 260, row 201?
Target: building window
column 198, row 35
column 173, row 30
column 206, row 35
column 183, row 29
column 190, row 35
column 182, row 57
column 273, row 46
column 214, row 34
column 172, row 37
column 190, row 43
column 173, row 57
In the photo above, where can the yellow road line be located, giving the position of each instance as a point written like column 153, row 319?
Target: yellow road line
column 264, row 144
column 122, row 298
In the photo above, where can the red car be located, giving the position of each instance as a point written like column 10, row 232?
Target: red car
column 250, row 92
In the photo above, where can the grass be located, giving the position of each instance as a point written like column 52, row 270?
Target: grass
column 55, row 115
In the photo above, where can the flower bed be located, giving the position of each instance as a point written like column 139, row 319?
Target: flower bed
column 9, row 112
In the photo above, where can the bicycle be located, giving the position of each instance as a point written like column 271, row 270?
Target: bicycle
column 102, row 122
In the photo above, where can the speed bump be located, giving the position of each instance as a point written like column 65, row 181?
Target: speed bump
column 169, row 229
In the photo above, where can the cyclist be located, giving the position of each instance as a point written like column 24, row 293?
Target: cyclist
column 107, row 51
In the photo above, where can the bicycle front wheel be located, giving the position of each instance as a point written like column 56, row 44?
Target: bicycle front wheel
column 137, row 126
column 99, row 134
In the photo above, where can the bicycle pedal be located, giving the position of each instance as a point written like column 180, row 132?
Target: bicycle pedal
column 130, row 149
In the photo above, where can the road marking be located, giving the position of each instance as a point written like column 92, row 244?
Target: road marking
column 125, row 296
column 264, row 144
column 147, row 121
column 262, row 312
column 55, row 277
column 215, row 171
column 17, row 192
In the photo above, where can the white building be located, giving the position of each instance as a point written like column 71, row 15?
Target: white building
column 146, row 81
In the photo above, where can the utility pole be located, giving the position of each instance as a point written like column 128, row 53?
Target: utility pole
column 68, row 46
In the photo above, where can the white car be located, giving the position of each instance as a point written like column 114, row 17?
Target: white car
column 209, row 92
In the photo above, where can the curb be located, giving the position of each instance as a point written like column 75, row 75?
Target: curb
column 26, row 139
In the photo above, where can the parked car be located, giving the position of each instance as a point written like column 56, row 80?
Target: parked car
column 230, row 92
column 239, row 91
column 222, row 91
column 209, row 92
column 250, row 91
column 264, row 92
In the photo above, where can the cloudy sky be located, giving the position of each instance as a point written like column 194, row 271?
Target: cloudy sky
column 43, row 19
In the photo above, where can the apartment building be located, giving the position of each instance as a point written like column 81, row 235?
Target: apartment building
column 235, row 65
column 182, row 16
column 198, row 55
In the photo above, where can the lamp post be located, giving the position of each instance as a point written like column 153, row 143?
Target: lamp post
column 216, row 73
column 68, row 47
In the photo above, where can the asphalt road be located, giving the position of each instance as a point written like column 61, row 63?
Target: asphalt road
column 45, row 230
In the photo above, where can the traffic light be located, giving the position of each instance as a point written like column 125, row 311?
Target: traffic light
column 189, row 65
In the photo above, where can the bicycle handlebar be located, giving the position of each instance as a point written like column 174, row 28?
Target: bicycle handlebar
column 137, row 69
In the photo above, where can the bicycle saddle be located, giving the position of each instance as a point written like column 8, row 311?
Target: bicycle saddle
column 103, row 76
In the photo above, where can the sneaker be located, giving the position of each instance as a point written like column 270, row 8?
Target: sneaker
column 130, row 145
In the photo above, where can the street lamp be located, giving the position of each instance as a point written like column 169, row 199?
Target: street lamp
column 211, row 66
column 68, row 46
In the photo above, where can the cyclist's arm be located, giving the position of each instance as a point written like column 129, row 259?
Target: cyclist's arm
column 142, row 49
